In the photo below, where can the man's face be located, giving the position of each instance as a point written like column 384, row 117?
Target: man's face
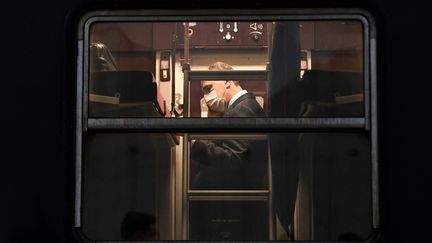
column 218, row 86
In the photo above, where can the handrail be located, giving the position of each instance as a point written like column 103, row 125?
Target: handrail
column 259, row 75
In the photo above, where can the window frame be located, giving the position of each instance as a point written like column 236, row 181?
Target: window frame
column 368, row 123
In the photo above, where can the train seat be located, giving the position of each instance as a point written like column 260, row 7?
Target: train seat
column 128, row 87
column 332, row 94
column 101, row 58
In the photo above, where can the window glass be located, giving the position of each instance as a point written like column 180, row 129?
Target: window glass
column 320, row 187
column 229, row 220
column 292, row 68
column 126, row 186
column 221, row 161
column 227, row 163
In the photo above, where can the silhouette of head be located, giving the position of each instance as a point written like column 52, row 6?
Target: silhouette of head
column 349, row 237
column 138, row 226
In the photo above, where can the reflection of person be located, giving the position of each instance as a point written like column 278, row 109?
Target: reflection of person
column 229, row 164
column 138, row 226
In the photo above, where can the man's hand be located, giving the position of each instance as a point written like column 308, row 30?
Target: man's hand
column 198, row 151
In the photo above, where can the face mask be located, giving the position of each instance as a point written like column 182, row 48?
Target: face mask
column 214, row 102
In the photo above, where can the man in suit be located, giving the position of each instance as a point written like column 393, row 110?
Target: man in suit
column 231, row 164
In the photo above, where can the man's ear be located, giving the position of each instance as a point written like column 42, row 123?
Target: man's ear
column 227, row 84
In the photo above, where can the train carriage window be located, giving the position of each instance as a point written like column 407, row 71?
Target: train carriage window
column 255, row 125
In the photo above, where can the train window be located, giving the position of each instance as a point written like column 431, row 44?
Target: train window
column 127, row 66
column 255, row 125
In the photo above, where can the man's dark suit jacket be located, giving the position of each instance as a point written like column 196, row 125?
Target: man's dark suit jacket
column 232, row 164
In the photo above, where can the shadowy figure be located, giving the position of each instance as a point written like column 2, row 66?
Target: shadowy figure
column 349, row 237
column 138, row 226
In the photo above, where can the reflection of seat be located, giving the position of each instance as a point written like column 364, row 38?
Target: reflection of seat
column 130, row 87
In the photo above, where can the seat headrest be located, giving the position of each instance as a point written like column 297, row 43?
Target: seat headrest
column 323, row 86
column 129, row 86
column 323, row 91
column 101, row 58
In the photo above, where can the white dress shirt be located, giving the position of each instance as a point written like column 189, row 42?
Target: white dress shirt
column 236, row 96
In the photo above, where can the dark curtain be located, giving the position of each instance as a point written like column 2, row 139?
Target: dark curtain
column 285, row 101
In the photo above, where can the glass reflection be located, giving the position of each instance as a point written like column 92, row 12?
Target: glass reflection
column 319, row 186
column 229, row 220
column 334, row 187
column 126, row 186
column 229, row 163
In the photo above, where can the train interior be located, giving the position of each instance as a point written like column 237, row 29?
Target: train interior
column 296, row 185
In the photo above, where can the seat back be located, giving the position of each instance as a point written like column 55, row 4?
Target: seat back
column 130, row 88
column 101, row 58
column 332, row 94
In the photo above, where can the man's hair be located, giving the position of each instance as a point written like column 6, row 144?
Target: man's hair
column 222, row 66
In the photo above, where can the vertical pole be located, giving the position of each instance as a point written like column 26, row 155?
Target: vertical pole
column 186, row 69
column 270, row 44
column 272, row 218
column 173, row 66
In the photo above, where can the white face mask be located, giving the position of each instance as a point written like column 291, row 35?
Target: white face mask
column 214, row 102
